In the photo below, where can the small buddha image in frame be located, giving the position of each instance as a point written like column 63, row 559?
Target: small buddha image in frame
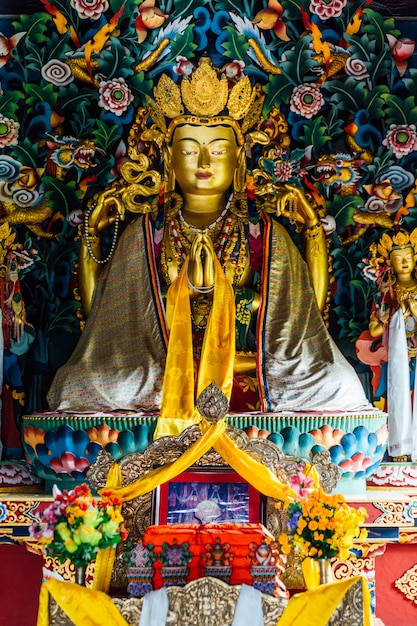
column 207, row 496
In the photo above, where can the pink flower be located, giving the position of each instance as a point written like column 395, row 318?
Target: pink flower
column 326, row 9
column 184, row 66
column 401, row 50
column 301, row 484
column 283, row 171
column 68, row 463
column 90, row 9
column 234, row 69
column 115, row 95
column 306, row 100
column 270, row 18
column 148, row 18
column 402, row 138
column 9, row 131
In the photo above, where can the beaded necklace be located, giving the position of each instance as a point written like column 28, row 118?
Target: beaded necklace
column 225, row 236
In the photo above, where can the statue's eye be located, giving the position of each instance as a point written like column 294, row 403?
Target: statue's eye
column 216, row 152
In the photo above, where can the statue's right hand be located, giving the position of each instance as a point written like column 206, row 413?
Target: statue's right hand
column 195, row 263
column 104, row 213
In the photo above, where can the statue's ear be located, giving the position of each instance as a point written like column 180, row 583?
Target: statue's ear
column 239, row 181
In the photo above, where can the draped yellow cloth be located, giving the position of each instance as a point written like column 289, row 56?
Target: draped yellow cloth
column 315, row 606
column 86, row 607
column 178, row 409
column 215, row 437
column 105, row 558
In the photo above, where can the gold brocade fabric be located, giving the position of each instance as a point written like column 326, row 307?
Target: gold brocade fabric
column 217, row 356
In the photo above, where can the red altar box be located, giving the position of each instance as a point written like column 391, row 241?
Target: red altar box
column 198, row 536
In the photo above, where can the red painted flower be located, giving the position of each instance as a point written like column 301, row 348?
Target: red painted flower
column 326, row 9
column 69, row 463
column 9, row 131
column 183, row 67
column 402, row 138
column 90, row 9
column 270, row 18
column 148, row 18
column 306, row 100
column 401, row 50
column 115, row 95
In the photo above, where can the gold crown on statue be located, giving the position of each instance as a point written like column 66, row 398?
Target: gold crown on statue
column 206, row 94
column 402, row 239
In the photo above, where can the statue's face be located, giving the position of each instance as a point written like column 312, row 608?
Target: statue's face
column 204, row 158
column 403, row 261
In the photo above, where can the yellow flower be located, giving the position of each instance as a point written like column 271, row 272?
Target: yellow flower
column 87, row 534
column 63, row 530
column 70, row 545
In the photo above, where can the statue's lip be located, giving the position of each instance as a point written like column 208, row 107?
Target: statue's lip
column 204, row 175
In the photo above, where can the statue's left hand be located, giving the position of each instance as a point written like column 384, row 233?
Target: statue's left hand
column 293, row 200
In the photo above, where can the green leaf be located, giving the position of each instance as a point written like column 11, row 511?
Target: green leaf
column 9, row 102
column 63, row 196
column 114, row 62
column 35, row 93
column 278, row 90
column 347, row 95
column 26, row 152
column 236, row 46
column 81, row 122
column 399, row 111
column 35, row 56
column 184, row 45
column 315, row 134
column 343, row 209
column 104, row 136
column 75, row 97
column 377, row 28
column 299, row 61
column 35, row 26
column 374, row 101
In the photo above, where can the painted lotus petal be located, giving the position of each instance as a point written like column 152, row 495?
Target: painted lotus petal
column 65, row 439
column 68, row 463
column 103, row 434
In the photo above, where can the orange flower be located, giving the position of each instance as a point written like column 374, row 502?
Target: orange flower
column 270, row 18
column 148, row 18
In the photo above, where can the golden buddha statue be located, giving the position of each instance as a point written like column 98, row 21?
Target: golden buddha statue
column 207, row 286
column 394, row 321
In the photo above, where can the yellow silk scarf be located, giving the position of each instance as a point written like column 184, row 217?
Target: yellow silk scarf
column 83, row 606
column 214, row 436
column 178, row 409
column 315, row 606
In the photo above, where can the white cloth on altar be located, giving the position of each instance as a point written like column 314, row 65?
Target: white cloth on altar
column 402, row 412
column 155, row 608
column 248, row 611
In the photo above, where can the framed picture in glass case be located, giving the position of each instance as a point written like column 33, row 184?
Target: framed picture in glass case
column 207, row 495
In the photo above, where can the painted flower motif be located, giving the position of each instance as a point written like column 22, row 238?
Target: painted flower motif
column 18, row 183
column 325, row 9
column 382, row 198
column 103, row 434
column 401, row 50
column 115, row 96
column 6, row 46
column 183, row 67
column 356, row 68
column 9, row 131
column 148, row 18
column 3, row 512
column 270, row 18
column 306, row 100
column 69, row 463
column 57, row 72
column 234, row 69
column 90, row 9
column 283, row 171
column 402, row 138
